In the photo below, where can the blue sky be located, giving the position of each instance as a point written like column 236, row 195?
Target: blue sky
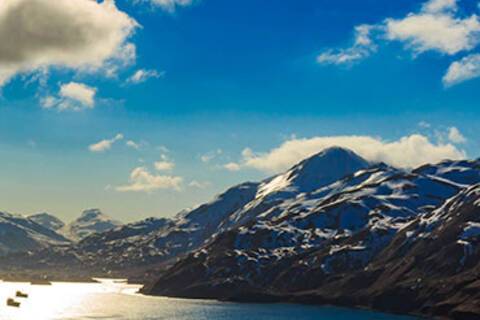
column 163, row 104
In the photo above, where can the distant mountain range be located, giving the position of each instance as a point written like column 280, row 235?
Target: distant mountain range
column 43, row 230
column 333, row 229
column 20, row 234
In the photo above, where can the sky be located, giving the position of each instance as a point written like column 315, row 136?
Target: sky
column 147, row 107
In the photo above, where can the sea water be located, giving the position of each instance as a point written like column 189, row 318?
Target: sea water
column 120, row 301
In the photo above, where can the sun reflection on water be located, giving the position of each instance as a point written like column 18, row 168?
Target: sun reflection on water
column 112, row 300
column 61, row 300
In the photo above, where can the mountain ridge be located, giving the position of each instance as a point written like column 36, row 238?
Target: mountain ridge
column 306, row 238
column 303, row 242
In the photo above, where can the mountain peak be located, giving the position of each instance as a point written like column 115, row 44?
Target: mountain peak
column 333, row 155
column 325, row 167
column 90, row 214
column 89, row 222
column 321, row 169
column 47, row 220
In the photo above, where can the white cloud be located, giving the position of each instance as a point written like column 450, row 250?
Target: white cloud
column 79, row 92
column 141, row 180
column 465, row 69
column 71, row 96
column 49, row 102
column 199, row 184
column 440, row 32
column 132, row 144
column 455, row 136
column 438, row 26
column 209, row 156
column 361, row 49
column 248, row 153
column 105, row 144
column 424, row 124
column 232, row 166
column 82, row 35
column 168, row 5
column 164, row 165
column 437, row 6
column 143, row 75
column 407, row 152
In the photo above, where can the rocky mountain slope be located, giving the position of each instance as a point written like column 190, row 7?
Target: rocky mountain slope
column 20, row 234
column 90, row 221
column 48, row 221
column 155, row 241
column 31, row 248
column 322, row 245
column 332, row 229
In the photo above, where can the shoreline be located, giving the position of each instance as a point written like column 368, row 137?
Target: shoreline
column 260, row 299
column 246, row 298
column 283, row 300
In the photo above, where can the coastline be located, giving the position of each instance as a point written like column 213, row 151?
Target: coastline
column 271, row 299
column 256, row 298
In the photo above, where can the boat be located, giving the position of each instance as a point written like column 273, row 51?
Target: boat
column 20, row 294
column 12, row 303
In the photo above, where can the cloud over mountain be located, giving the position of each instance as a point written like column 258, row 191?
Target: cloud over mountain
column 407, row 152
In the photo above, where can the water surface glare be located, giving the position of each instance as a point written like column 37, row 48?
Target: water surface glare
column 113, row 301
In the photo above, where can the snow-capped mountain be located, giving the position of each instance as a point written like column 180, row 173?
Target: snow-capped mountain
column 310, row 174
column 317, row 171
column 314, row 240
column 20, row 234
column 158, row 240
column 332, row 229
column 47, row 220
column 155, row 241
column 90, row 221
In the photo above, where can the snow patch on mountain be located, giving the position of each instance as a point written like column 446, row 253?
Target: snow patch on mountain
column 471, row 230
column 47, row 220
column 90, row 221
column 20, row 234
column 314, row 172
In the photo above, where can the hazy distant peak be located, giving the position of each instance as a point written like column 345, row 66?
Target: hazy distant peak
column 47, row 220
column 91, row 214
column 90, row 221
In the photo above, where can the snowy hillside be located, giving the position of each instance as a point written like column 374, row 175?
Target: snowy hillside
column 19, row 234
column 317, row 171
column 333, row 225
column 47, row 220
column 90, row 221
column 141, row 244
column 301, row 242
column 158, row 240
